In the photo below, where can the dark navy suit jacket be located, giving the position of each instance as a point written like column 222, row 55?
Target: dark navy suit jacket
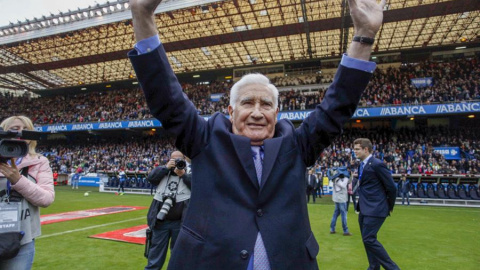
column 376, row 191
column 227, row 206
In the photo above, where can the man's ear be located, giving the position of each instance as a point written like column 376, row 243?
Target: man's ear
column 276, row 114
column 230, row 113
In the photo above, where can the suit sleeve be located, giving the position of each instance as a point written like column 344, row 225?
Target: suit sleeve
column 167, row 102
column 325, row 123
column 384, row 174
column 187, row 179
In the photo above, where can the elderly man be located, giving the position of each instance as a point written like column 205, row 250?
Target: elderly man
column 248, row 207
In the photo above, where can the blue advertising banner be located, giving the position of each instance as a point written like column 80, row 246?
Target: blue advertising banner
column 89, row 181
column 448, row 152
column 216, row 97
column 422, row 82
column 376, row 112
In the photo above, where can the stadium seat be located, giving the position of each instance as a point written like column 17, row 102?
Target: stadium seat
column 462, row 192
column 111, row 181
column 441, row 192
column 421, row 191
column 431, row 191
column 413, row 190
column 451, row 192
column 473, row 192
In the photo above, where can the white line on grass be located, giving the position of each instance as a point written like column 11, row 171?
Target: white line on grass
column 88, row 228
column 443, row 208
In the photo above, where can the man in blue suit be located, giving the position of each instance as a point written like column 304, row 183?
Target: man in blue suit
column 248, row 209
column 377, row 192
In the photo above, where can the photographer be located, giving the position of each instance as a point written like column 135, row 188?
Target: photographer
column 340, row 177
column 168, row 207
column 26, row 183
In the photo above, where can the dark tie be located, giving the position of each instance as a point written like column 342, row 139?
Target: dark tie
column 260, row 259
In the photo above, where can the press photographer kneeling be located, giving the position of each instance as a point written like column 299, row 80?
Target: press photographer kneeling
column 168, row 207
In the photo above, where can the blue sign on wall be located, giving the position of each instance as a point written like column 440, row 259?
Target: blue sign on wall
column 216, row 97
column 448, row 152
column 422, row 82
column 376, row 112
column 89, row 181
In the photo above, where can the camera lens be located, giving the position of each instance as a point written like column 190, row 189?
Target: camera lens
column 13, row 148
column 180, row 163
column 167, row 204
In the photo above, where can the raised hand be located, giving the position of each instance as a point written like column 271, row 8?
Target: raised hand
column 143, row 18
column 148, row 6
column 367, row 16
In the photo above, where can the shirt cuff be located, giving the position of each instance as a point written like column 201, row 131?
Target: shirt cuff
column 148, row 44
column 363, row 65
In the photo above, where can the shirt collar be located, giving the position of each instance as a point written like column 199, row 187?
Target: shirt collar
column 366, row 160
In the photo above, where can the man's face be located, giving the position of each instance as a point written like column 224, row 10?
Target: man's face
column 361, row 153
column 254, row 115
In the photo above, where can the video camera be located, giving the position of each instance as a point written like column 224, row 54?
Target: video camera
column 12, row 147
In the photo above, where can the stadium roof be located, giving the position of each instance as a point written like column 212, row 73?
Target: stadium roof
column 89, row 46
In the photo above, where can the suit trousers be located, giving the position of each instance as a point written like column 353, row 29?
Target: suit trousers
column 310, row 192
column 161, row 233
column 376, row 253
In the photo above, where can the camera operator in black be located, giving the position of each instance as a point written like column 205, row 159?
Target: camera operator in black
column 168, row 207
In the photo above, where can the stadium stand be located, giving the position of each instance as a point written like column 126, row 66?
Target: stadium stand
column 455, row 81
column 55, row 67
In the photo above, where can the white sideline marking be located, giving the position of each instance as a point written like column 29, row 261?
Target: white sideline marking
column 88, row 228
column 444, row 208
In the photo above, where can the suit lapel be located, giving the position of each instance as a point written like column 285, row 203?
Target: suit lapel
column 369, row 163
column 271, row 148
column 244, row 152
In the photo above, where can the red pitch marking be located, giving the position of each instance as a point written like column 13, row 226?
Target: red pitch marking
column 135, row 235
column 60, row 217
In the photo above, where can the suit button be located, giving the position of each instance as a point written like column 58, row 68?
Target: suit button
column 244, row 254
column 259, row 212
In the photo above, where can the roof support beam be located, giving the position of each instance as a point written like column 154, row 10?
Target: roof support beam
column 417, row 12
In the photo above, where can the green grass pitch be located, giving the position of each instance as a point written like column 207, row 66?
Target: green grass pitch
column 416, row 237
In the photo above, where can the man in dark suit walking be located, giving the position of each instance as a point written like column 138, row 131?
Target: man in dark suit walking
column 311, row 185
column 248, row 208
column 377, row 192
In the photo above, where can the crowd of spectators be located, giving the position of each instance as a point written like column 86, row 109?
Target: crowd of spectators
column 409, row 151
column 108, row 154
column 454, row 81
column 115, row 105
column 404, row 151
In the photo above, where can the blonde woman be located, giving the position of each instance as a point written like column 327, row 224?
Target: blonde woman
column 29, row 177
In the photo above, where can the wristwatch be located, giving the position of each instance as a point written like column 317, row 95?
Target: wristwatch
column 364, row 40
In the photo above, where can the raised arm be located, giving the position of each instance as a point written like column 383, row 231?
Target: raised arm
column 367, row 17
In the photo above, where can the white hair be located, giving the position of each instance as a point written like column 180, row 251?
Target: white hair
column 253, row 78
